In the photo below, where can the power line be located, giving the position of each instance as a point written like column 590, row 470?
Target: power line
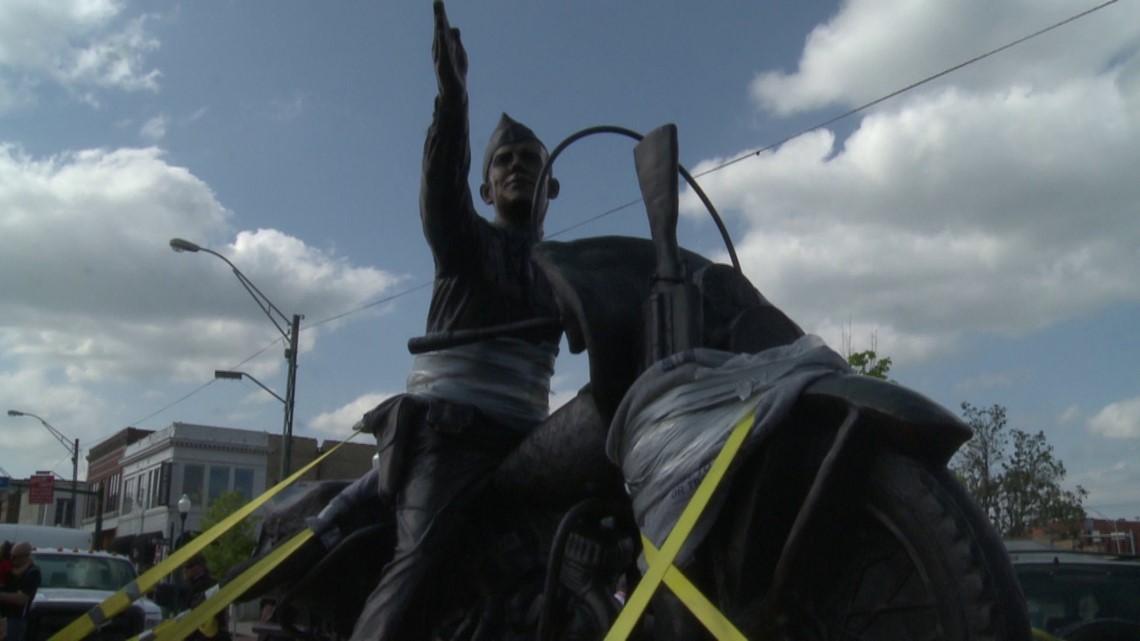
column 374, row 303
column 166, row 407
column 281, row 340
column 905, row 89
column 209, row 382
column 728, row 163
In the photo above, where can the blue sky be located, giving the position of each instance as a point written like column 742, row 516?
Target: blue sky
column 981, row 229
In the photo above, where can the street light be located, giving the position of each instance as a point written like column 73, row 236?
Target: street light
column 183, row 509
column 73, row 447
column 229, row 375
column 289, row 329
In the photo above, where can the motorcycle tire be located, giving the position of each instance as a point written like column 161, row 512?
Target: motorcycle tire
column 911, row 557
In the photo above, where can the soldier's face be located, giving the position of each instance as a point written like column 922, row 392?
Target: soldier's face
column 513, row 175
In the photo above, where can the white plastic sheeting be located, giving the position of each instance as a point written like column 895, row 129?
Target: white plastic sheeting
column 507, row 378
column 678, row 415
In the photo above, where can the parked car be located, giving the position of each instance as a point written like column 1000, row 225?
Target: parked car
column 1078, row 596
column 74, row 582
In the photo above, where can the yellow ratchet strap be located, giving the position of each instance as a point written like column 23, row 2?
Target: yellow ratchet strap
column 183, row 626
column 661, row 561
column 121, row 600
column 1041, row 635
column 707, row 613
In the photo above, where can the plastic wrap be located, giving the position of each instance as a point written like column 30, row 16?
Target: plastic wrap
column 506, row 378
column 678, row 415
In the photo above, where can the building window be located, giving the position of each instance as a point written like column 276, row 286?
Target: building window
column 152, row 488
column 92, row 502
column 243, row 482
column 63, row 511
column 140, row 492
column 219, row 482
column 193, row 482
column 112, row 490
column 129, row 494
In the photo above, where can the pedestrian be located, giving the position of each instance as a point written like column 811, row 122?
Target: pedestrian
column 5, row 573
column 18, row 592
column 201, row 586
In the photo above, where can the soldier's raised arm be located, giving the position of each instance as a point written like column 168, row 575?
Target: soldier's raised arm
column 449, row 56
column 446, row 207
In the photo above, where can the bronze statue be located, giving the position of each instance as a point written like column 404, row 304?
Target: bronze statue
column 467, row 407
column 833, row 515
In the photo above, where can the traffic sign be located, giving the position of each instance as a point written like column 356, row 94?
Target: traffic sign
column 41, row 489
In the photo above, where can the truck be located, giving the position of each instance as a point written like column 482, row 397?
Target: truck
column 46, row 536
column 76, row 579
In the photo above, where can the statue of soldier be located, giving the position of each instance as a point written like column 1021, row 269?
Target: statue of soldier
column 466, row 407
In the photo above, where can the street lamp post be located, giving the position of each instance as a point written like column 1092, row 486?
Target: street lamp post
column 73, row 447
column 231, row 375
column 289, row 329
column 183, row 509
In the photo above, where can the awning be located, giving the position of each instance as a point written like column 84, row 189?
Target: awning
column 122, row 544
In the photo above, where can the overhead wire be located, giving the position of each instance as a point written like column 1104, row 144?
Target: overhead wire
column 898, row 92
column 728, row 163
column 208, row 383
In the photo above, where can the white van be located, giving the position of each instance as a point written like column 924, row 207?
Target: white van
column 46, row 536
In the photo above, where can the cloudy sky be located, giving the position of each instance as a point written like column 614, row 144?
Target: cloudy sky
column 980, row 229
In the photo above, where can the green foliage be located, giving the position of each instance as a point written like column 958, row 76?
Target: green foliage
column 979, row 462
column 868, row 363
column 237, row 544
column 1019, row 490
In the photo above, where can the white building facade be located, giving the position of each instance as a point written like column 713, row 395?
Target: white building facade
column 198, row 461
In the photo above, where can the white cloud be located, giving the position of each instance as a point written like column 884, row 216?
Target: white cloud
column 80, row 44
column 1003, row 211
column 1070, row 414
column 1108, row 469
column 92, row 295
column 338, row 423
column 154, row 129
column 871, row 48
column 1118, row 420
column 115, row 60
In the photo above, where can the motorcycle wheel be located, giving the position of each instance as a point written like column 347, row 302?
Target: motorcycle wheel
column 913, row 558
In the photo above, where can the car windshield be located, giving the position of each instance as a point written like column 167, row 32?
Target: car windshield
column 1059, row 595
column 83, row 572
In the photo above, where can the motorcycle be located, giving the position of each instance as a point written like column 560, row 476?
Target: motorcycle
column 830, row 512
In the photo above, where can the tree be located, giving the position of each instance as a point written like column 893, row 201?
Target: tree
column 1032, row 493
column 1018, row 490
column 868, row 363
column 978, row 464
column 237, row 544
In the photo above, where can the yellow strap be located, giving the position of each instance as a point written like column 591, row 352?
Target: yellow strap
column 680, row 532
column 188, row 622
column 1041, row 635
column 121, row 600
column 707, row 613
column 209, row 628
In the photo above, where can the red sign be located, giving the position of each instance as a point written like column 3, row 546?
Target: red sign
column 41, row 489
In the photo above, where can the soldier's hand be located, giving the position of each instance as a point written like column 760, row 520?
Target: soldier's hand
column 448, row 54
